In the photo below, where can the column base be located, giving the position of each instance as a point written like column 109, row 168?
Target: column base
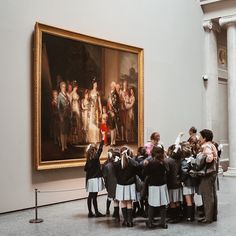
column 220, row 170
column 231, row 172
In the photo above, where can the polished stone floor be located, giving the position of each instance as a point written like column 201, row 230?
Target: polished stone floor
column 69, row 219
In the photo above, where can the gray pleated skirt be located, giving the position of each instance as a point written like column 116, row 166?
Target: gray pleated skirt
column 176, row 195
column 158, row 196
column 188, row 190
column 95, row 185
column 126, row 192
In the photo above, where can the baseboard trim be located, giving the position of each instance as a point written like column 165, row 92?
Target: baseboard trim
column 50, row 204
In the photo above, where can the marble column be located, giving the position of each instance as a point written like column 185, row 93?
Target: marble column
column 230, row 24
column 211, row 71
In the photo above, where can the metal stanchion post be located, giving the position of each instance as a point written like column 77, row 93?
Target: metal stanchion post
column 36, row 220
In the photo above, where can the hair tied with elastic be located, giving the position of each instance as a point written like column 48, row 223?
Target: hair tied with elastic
column 177, row 147
column 109, row 155
column 124, row 154
column 88, row 147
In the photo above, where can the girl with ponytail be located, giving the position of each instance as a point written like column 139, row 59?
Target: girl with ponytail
column 126, row 169
column 94, row 179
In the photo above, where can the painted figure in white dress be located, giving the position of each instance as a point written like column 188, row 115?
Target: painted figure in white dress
column 95, row 114
column 85, row 106
column 76, row 115
column 129, row 107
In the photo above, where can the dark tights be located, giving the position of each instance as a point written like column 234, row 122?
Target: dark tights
column 108, row 205
column 92, row 197
column 151, row 211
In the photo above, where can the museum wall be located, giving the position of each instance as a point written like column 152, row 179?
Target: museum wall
column 171, row 34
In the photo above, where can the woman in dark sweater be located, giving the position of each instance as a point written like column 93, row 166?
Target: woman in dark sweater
column 94, row 180
column 126, row 169
column 156, row 171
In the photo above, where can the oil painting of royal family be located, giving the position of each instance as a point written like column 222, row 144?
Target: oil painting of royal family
column 86, row 90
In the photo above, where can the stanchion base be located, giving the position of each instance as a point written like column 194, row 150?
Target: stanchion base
column 36, row 221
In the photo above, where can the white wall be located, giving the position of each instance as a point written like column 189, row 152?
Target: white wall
column 172, row 37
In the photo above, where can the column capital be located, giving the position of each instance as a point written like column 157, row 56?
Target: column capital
column 210, row 25
column 226, row 20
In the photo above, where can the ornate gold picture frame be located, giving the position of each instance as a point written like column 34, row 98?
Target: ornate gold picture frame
column 84, row 86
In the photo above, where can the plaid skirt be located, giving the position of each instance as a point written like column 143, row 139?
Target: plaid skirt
column 95, row 185
column 176, row 195
column 188, row 190
column 126, row 192
column 158, row 196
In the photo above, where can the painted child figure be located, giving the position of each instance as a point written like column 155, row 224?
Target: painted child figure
column 103, row 126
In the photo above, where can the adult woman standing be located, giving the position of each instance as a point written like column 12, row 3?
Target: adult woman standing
column 207, row 184
column 64, row 114
column 155, row 139
column 95, row 114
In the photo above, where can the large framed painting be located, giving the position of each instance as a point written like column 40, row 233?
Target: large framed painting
column 84, row 86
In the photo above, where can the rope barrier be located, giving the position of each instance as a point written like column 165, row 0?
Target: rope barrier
column 36, row 191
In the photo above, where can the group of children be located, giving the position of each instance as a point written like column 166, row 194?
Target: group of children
column 153, row 182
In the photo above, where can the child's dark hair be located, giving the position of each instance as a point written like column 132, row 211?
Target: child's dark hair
column 110, row 154
column 175, row 153
column 90, row 152
column 207, row 134
column 193, row 130
column 170, row 150
column 158, row 153
column 186, row 149
column 142, row 151
column 154, row 135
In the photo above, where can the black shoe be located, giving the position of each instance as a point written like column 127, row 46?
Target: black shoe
column 150, row 225
column 124, row 223
column 99, row 214
column 130, row 218
column 116, row 214
column 206, row 221
column 163, row 226
column 90, row 215
column 174, row 220
column 130, row 224
column 201, row 219
column 117, row 219
column 107, row 212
